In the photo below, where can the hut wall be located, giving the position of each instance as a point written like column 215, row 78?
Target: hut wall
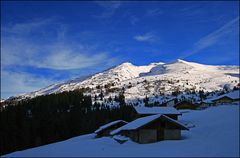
column 172, row 134
column 223, row 100
column 170, row 125
column 160, row 134
column 238, row 99
column 186, row 106
column 147, row 136
column 134, row 136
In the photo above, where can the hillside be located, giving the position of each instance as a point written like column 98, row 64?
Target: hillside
column 156, row 80
column 216, row 134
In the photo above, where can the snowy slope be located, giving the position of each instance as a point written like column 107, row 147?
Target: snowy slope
column 154, row 79
column 216, row 134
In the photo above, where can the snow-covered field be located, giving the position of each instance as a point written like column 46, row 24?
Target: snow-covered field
column 216, row 134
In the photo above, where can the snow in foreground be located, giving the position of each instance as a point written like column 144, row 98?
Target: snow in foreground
column 216, row 133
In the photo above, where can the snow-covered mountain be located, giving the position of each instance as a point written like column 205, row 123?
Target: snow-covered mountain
column 156, row 80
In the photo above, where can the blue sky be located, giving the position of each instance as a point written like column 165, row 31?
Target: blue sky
column 48, row 42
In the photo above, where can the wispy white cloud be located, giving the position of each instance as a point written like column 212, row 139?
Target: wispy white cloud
column 109, row 8
column 66, row 59
column 219, row 35
column 133, row 19
column 21, row 47
column 147, row 37
column 154, row 12
column 213, row 37
column 15, row 83
column 26, row 28
column 128, row 15
column 60, row 54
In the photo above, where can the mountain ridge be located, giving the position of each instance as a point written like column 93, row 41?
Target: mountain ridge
column 152, row 79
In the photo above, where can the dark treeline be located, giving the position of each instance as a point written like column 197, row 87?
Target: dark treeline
column 47, row 119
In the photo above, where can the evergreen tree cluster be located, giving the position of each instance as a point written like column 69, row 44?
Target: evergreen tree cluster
column 56, row 117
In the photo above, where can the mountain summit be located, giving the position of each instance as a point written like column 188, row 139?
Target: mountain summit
column 159, row 79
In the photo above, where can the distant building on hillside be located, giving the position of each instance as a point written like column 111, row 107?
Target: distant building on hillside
column 147, row 111
column 185, row 105
column 204, row 104
column 227, row 98
column 151, row 129
column 223, row 100
column 106, row 129
column 169, row 103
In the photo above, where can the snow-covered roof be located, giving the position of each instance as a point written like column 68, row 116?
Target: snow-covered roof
column 209, row 100
column 157, row 110
column 233, row 95
column 175, row 122
column 120, row 137
column 143, row 121
column 109, row 125
column 136, row 123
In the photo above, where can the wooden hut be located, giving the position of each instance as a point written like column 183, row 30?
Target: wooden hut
column 227, row 98
column 106, row 129
column 185, row 105
column 151, row 129
column 203, row 104
column 147, row 111
column 223, row 100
